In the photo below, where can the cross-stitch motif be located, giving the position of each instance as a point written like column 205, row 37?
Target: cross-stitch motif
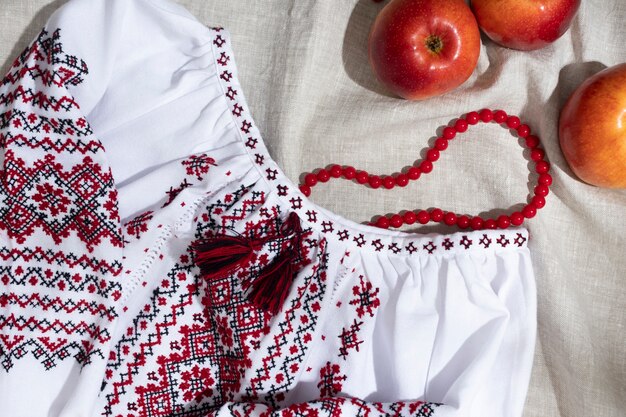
column 350, row 338
column 57, row 300
column 365, row 297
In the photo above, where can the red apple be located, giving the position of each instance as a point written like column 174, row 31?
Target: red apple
column 525, row 24
column 424, row 48
column 592, row 129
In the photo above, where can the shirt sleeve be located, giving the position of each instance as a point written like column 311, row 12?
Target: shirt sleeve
column 60, row 235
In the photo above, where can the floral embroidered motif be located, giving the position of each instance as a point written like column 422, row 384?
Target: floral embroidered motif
column 86, row 187
column 366, row 297
column 350, row 338
column 331, row 380
column 137, row 226
column 198, row 165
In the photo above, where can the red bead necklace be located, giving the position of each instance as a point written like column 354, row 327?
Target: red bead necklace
column 537, row 200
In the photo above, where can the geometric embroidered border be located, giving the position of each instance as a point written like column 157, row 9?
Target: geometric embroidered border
column 48, row 352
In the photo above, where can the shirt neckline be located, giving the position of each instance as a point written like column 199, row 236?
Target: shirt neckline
column 323, row 220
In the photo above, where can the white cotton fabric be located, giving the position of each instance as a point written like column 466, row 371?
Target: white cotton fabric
column 444, row 318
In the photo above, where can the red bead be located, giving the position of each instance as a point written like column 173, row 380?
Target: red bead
column 382, row 222
column 523, row 131
column 489, row 224
column 323, row 175
column 500, row 116
column 545, row 179
column 449, row 132
column 460, row 125
column 486, row 115
column 504, row 222
column 436, row 215
column 472, row 117
column 335, row 171
column 449, row 218
column 432, row 155
column 396, row 220
column 374, row 181
column 517, row 218
column 423, row 217
column 426, row 167
column 362, row 177
column 542, row 190
column 476, row 223
column 538, row 201
column 305, row 189
column 537, row 154
column 529, row 211
column 310, row 180
column 413, row 173
column 389, row 182
column 349, row 173
column 513, row 122
column 542, row 167
column 441, row 144
column 410, row 217
column 532, row 141
column 402, row 180
column 463, row 222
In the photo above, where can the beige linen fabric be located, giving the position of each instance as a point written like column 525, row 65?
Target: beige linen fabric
column 303, row 66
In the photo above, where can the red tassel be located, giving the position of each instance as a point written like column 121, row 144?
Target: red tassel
column 270, row 289
column 222, row 255
column 291, row 225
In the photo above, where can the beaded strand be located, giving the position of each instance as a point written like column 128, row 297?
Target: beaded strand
column 537, row 199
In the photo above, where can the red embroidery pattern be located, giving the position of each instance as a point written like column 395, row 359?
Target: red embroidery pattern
column 285, row 356
column 196, row 384
column 48, row 351
column 57, row 304
column 34, row 203
column 174, row 191
column 65, row 327
column 137, row 226
column 65, row 145
column 350, row 338
column 33, row 277
column 59, row 68
column 56, row 301
column 31, row 122
column 37, row 195
column 365, row 297
column 52, row 257
column 335, row 407
column 331, row 380
column 198, row 165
